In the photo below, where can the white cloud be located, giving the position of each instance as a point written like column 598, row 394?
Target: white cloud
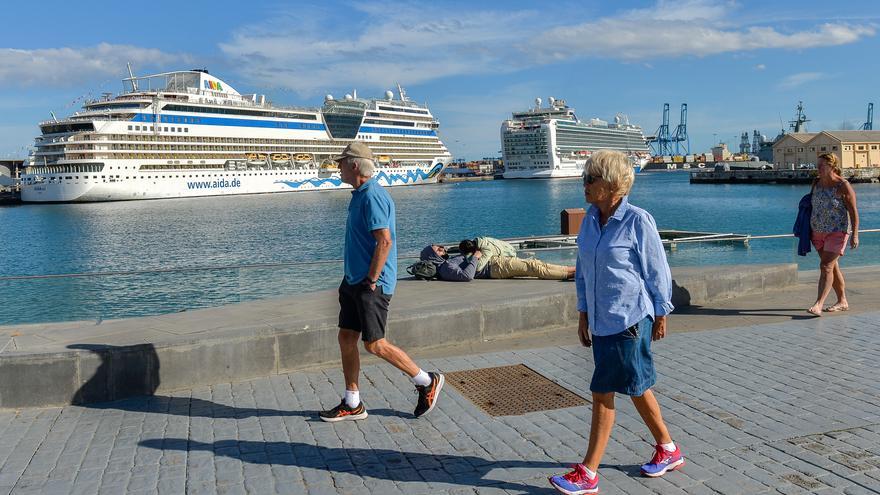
column 799, row 79
column 760, row 67
column 410, row 45
column 680, row 11
column 624, row 38
column 67, row 66
column 380, row 44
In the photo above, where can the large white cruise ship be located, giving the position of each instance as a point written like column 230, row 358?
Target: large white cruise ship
column 550, row 142
column 188, row 133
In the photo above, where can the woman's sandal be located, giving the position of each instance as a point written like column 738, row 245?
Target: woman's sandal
column 837, row 307
column 814, row 313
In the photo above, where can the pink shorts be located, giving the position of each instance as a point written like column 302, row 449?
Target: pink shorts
column 832, row 242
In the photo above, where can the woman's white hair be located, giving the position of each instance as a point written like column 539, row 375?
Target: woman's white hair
column 365, row 166
column 614, row 167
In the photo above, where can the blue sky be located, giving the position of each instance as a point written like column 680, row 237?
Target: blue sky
column 740, row 65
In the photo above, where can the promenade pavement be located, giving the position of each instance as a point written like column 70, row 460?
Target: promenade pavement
column 785, row 407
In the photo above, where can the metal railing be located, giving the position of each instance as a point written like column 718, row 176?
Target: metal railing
column 562, row 243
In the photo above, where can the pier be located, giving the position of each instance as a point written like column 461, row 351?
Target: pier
column 797, row 176
column 670, row 239
column 80, row 362
column 736, row 378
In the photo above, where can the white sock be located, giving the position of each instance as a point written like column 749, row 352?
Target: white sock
column 668, row 447
column 422, row 378
column 352, row 398
column 590, row 472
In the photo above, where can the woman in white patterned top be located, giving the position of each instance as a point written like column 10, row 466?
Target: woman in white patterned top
column 834, row 212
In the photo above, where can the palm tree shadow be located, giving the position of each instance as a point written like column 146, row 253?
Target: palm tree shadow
column 382, row 464
column 200, row 408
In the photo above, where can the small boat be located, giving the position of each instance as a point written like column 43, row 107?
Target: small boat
column 302, row 158
column 383, row 159
column 280, row 157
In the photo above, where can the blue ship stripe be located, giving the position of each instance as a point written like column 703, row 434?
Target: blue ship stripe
column 276, row 124
column 411, row 176
column 385, row 130
column 224, row 121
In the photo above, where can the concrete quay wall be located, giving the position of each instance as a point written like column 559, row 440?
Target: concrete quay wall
column 84, row 362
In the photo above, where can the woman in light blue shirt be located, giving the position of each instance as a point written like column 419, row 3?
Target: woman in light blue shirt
column 624, row 290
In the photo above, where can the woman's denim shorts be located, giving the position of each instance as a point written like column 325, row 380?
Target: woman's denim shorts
column 623, row 361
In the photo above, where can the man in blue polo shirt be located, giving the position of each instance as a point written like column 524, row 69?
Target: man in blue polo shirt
column 366, row 289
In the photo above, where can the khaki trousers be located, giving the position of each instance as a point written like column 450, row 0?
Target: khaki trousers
column 510, row 267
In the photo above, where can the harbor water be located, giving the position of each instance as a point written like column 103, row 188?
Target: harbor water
column 174, row 255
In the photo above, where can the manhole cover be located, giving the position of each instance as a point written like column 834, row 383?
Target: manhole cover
column 512, row 390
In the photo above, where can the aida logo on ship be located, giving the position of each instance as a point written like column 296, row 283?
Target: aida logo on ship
column 215, row 85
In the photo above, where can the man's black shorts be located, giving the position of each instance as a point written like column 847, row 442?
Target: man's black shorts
column 363, row 310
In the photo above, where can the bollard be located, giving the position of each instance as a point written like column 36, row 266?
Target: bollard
column 571, row 219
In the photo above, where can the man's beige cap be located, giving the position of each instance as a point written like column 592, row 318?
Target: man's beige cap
column 356, row 149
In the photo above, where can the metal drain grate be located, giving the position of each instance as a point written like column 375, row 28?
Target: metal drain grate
column 512, row 390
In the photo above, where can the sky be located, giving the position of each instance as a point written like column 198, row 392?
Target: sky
column 739, row 65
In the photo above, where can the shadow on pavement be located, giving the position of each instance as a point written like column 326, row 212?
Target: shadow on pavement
column 200, row 408
column 706, row 311
column 380, row 464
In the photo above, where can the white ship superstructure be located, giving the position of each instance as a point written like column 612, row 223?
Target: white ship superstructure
column 188, row 133
column 550, row 142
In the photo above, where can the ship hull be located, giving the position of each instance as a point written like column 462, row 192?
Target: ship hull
column 142, row 186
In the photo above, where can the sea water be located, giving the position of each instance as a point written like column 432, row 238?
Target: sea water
column 188, row 252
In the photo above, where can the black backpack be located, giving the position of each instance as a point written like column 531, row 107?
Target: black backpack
column 422, row 270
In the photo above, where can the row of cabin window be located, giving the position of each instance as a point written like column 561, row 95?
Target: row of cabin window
column 151, row 128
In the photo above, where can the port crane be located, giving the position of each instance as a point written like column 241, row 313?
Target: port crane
column 680, row 136
column 869, row 122
column 661, row 143
column 678, row 143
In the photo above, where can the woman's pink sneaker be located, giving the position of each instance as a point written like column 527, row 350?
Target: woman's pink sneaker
column 663, row 461
column 577, row 482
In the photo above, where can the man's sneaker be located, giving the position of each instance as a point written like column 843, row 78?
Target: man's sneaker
column 576, row 482
column 342, row 413
column 428, row 394
column 663, row 461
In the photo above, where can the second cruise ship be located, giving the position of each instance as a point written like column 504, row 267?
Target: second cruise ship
column 188, row 133
column 551, row 142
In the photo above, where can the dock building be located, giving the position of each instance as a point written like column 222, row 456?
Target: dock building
column 855, row 149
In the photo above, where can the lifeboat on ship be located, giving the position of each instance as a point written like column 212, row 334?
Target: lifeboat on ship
column 280, row 158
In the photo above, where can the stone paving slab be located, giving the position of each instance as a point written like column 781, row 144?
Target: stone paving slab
column 781, row 408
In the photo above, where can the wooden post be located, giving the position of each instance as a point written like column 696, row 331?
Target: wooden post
column 571, row 219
